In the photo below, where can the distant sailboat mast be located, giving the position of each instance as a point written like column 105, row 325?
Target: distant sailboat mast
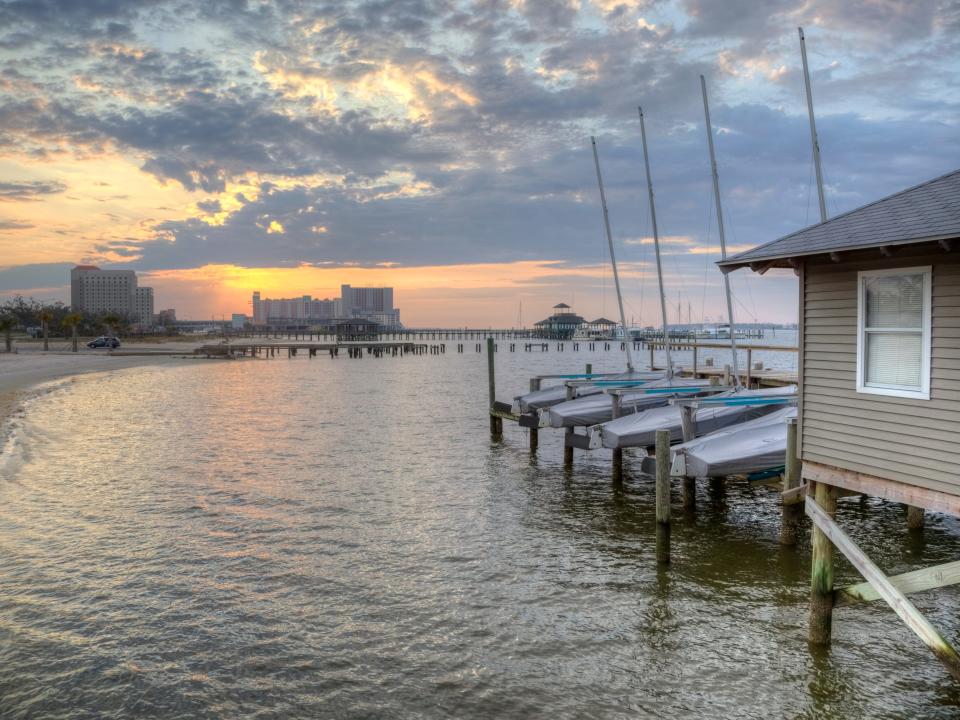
column 613, row 259
column 723, row 237
column 656, row 246
column 813, row 128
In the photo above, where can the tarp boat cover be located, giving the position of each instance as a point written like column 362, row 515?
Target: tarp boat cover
column 598, row 408
column 741, row 449
column 640, row 430
column 549, row 396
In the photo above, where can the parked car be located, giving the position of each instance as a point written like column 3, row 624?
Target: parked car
column 104, row 342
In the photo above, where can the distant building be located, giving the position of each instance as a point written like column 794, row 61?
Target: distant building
column 97, row 291
column 373, row 304
column 167, row 317
column 599, row 329
column 143, row 306
column 561, row 325
column 293, row 311
column 238, row 321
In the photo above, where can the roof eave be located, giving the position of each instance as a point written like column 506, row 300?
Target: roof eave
column 789, row 260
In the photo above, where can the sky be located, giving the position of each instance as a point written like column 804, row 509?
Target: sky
column 443, row 147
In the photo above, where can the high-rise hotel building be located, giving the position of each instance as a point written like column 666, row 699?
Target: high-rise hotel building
column 97, row 292
column 374, row 304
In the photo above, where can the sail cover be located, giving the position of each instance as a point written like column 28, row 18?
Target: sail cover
column 597, row 408
column 640, row 430
column 549, row 396
column 749, row 447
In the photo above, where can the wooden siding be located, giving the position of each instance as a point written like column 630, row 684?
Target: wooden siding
column 911, row 441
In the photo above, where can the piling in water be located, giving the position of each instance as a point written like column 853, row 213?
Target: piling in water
column 662, row 494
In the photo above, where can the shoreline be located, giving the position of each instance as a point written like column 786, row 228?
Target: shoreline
column 23, row 372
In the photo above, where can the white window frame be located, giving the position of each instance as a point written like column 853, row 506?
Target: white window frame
column 923, row 392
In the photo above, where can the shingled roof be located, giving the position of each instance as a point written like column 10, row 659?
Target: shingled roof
column 924, row 213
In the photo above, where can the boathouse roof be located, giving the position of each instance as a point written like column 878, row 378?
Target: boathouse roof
column 924, row 213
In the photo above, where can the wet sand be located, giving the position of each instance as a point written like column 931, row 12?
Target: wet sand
column 23, row 370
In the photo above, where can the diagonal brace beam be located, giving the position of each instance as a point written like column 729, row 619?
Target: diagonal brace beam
column 905, row 609
column 910, row 582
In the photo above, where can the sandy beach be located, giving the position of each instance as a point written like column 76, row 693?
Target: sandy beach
column 30, row 366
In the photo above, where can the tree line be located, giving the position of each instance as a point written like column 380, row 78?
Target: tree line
column 25, row 313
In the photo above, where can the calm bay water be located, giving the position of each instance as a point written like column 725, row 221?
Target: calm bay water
column 320, row 538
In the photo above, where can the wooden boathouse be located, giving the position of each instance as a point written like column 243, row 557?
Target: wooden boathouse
column 879, row 378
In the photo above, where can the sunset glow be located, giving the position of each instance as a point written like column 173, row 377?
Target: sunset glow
column 445, row 151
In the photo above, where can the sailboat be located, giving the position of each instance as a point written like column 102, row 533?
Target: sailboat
column 583, row 385
column 749, row 447
column 726, row 408
column 760, row 444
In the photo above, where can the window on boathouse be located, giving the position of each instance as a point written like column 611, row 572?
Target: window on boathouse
column 893, row 332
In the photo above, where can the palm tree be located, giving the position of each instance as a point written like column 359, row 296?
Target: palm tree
column 112, row 322
column 45, row 316
column 7, row 324
column 72, row 321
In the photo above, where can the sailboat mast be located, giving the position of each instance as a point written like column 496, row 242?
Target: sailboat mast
column 813, row 128
column 656, row 245
column 613, row 258
column 723, row 236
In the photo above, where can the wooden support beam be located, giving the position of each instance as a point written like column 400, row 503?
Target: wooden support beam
column 792, row 487
column 821, row 568
column 914, row 518
column 887, row 591
column 915, row 581
column 662, row 496
column 879, row 487
column 688, row 429
column 496, row 423
column 617, row 469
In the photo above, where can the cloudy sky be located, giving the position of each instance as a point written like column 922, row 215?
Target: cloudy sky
column 443, row 147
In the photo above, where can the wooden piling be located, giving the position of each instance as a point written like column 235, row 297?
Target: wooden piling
column 791, row 513
column 617, row 469
column 662, row 494
column 534, row 432
column 821, row 570
column 688, row 428
column 914, row 518
column 888, row 590
column 496, row 423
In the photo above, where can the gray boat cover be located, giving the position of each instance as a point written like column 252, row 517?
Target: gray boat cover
column 741, row 449
column 640, row 430
column 549, row 396
column 598, row 408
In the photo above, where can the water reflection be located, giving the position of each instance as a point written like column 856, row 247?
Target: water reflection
column 312, row 538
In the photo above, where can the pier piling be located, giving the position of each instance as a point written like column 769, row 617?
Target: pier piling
column 791, row 513
column 617, row 470
column 662, row 494
column 914, row 518
column 496, row 423
column 534, row 432
column 821, row 571
column 688, row 428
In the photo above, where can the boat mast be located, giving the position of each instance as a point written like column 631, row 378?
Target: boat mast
column 613, row 259
column 813, row 128
column 656, row 246
column 723, row 237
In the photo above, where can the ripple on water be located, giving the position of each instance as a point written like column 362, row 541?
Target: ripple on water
column 330, row 539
